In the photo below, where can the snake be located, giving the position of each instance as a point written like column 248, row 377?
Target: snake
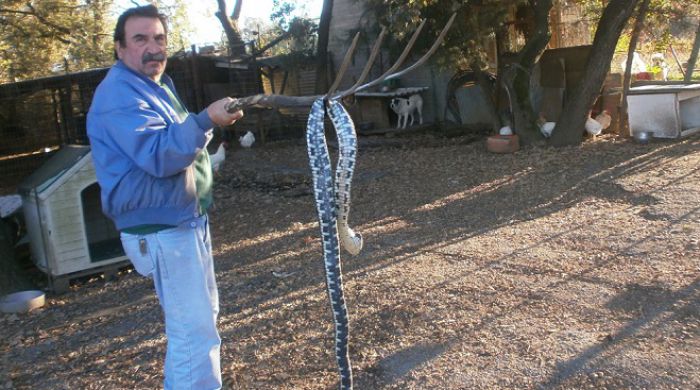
column 332, row 197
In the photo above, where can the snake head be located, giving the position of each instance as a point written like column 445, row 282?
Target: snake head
column 351, row 241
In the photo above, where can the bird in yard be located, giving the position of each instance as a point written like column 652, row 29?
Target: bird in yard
column 604, row 119
column 247, row 140
column 506, row 118
column 217, row 159
column 505, row 130
column 638, row 65
column 593, row 127
column 545, row 127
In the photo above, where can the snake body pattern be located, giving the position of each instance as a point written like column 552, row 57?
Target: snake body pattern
column 333, row 206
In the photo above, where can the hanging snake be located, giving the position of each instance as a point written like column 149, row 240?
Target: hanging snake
column 333, row 206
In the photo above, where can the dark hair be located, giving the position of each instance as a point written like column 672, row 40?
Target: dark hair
column 147, row 11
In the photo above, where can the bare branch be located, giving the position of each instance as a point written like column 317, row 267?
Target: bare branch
column 235, row 42
column 272, row 43
column 236, row 13
column 370, row 61
column 43, row 20
column 421, row 61
column 272, row 101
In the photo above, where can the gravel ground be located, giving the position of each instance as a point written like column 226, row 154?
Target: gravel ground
column 548, row 268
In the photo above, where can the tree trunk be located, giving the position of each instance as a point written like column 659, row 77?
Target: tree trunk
column 693, row 57
column 517, row 77
column 324, row 26
column 487, row 84
column 230, row 26
column 641, row 16
column 570, row 127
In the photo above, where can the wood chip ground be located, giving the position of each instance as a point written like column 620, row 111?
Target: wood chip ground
column 549, row 268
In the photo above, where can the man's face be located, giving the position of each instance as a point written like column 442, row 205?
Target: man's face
column 145, row 46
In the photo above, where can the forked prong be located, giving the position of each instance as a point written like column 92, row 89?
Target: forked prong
column 344, row 65
column 389, row 73
column 429, row 53
column 278, row 101
column 396, row 65
column 370, row 62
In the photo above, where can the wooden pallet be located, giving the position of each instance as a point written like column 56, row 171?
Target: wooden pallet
column 59, row 284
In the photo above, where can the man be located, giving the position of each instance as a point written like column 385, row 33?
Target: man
column 155, row 177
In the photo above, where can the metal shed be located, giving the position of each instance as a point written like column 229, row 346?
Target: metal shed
column 68, row 233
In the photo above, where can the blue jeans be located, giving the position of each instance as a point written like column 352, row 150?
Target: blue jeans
column 180, row 262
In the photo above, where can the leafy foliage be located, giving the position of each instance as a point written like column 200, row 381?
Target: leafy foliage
column 281, row 13
column 667, row 22
column 300, row 43
column 40, row 38
column 477, row 23
column 179, row 27
column 37, row 37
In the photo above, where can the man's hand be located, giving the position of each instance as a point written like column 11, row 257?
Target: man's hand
column 218, row 114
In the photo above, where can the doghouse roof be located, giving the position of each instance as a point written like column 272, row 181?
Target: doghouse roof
column 53, row 169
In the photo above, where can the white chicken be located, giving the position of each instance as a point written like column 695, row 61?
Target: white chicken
column 545, row 127
column 218, row 158
column 247, row 140
column 505, row 130
column 604, row 119
column 638, row 64
column 593, row 127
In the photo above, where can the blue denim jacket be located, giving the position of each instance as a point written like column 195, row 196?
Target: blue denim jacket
column 142, row 153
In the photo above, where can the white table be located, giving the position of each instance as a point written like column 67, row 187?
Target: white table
column 669, row 111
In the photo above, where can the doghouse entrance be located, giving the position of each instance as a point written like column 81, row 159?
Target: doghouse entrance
column 102, row 235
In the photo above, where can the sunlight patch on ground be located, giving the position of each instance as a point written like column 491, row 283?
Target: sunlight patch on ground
column 479, row 190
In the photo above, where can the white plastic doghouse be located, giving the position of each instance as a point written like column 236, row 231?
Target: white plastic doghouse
column 68, row 234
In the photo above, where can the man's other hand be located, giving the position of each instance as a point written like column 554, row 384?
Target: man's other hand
column 218, row 114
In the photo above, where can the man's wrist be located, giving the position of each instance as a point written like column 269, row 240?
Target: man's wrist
column 203, row 120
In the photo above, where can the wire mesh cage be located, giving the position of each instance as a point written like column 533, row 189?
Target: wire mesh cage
column 38, row 116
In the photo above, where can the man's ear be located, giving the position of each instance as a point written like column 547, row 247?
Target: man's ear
column 118, row 50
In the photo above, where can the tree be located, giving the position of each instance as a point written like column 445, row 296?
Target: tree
column 230, row 26
column 693, row 57
column 516, row 76
column 481, row 20
column 670, row 22
column 179, row 27
column 638, row 25
column 38, row 38
column 479, row 23
column 322, row 47
column 569, row 129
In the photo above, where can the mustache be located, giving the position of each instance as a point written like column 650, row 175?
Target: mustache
column 160, row 57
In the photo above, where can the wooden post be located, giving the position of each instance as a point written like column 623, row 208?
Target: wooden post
column 693, row 57
column 284, row 81
column 623, row 124
column 197, row 84
column 675, row 57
